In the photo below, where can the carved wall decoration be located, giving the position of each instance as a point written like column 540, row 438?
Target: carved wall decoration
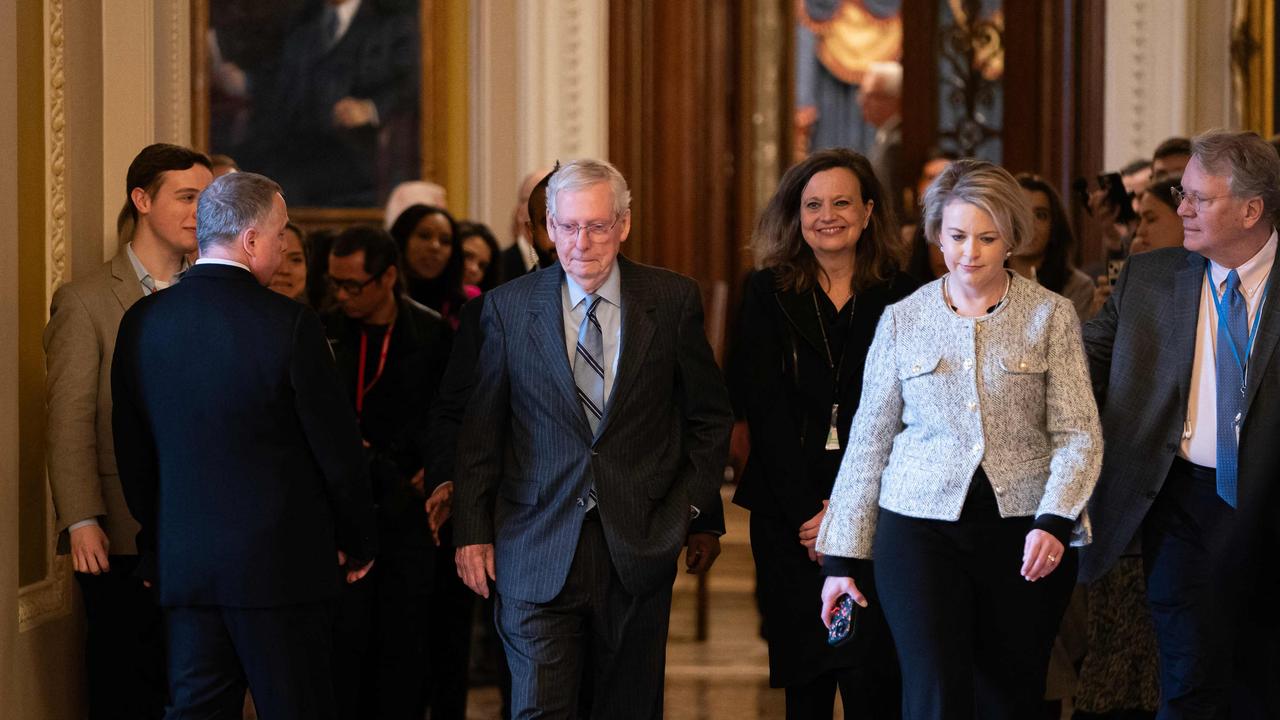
column 50, row 598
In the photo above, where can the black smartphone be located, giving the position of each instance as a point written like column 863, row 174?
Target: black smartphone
column 1117, row 196
column 844, row 621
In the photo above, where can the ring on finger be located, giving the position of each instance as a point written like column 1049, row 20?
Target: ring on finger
column 1053, row 559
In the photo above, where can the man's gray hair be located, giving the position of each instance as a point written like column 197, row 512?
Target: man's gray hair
column 583, row 173
column 230, row 204
column 1249, row 162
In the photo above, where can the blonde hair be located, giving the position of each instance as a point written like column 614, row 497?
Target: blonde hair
column 986, row 186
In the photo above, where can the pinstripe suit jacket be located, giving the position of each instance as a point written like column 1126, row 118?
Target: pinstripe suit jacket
column 526, row 455
column 1141, row 346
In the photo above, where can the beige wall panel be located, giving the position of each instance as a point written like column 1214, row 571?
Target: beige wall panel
column 8, row 354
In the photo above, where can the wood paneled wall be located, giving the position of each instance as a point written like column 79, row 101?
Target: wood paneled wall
column 677, row 132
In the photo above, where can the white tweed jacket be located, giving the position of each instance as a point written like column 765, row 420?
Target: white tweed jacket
column 942, row 394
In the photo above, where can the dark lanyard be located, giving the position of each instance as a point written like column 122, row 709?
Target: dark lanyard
column 833, row 436
column 1241, row 362
column 361, row 387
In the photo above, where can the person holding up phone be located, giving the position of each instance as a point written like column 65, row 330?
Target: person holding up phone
column 974, row 450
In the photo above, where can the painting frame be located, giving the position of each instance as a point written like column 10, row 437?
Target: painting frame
column 433, row 43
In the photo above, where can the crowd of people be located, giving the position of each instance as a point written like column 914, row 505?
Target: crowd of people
column 293, row 463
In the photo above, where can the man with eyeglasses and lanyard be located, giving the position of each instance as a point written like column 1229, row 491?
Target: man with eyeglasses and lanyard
column 592, row 450
column 1187, row 380
column 391, row 353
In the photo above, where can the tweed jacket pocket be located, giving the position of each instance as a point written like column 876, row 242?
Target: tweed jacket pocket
column 1024, row 365
column 918, row 366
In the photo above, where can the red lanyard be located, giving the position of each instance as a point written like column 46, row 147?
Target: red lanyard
column 361, row 387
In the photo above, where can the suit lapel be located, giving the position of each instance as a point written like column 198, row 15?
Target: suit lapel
column 1187, row 286
column 1264, row 344
column 799, row 310
column 637, row 332
column 125, row 285
column 547, row 329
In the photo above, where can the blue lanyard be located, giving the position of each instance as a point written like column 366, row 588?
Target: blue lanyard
column 1253, row 331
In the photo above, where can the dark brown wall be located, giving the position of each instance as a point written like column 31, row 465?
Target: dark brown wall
column 675, row 131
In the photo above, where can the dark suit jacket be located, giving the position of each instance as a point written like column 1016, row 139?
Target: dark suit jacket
column 526, row 455
column 238, row 450
column 397, row 413
column 1140, row 347
column 782, row 385
column 377, row 60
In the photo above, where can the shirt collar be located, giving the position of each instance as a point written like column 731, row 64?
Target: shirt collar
column 220, row 261
column 611, row 290
column 1253, row 273
column 144, row 275
column 346, row 12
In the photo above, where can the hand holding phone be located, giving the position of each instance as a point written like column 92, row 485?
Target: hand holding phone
column 844, row 621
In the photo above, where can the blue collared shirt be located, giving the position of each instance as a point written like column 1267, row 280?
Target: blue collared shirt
column 608, row 312
column 150, row 284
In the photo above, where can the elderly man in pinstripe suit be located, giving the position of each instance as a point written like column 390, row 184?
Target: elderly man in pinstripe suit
column 592, row 451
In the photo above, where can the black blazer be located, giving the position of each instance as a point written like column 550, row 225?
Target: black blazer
column 397, row 411
column 238, row 451
column 781, row 384
column 526, row 455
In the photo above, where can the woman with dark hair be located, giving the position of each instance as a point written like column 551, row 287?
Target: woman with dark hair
column 828, row 246
column 1159, row 225
column 479, row 256
column 290, row 278
column 1047, row 257
column 431, row 247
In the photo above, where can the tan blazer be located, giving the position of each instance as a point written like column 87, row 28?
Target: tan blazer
column 78, row 344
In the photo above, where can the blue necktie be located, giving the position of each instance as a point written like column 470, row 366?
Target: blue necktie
column 1235, row 331
column 588, row 372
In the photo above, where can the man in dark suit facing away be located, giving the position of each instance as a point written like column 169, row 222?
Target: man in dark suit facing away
column 241, row 460
column 1184, row 366
column 598, row 428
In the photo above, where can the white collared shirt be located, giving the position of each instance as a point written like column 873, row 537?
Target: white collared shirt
column 221, row 261
column 346, row 13
column 608, row 312
column 149, row 283
column 1200, row 432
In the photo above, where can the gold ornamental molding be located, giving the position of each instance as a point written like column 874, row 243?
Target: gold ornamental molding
column 50, row 598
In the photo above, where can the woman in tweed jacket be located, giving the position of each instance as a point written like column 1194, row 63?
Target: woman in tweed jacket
column 974, row 450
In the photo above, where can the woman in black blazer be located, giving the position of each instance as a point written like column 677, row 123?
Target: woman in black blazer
column 828, row 243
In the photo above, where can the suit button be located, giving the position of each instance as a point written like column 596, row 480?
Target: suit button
column 595, row 454
column 977, row 447
column 999, row 489
column 581, row 502
column 915, row 368
column 968, row 364
column 973, row 407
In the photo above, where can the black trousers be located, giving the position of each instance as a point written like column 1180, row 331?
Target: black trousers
column 124, row 647
column 973, row 636
column 380, row 641
column 282, row 654
column 451, row 606
column 623, row 636
column 1199, row 603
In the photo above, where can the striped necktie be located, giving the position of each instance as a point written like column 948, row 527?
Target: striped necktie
column 1234, row 333
column 588, row 372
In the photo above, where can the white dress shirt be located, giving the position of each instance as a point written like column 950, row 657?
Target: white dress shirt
column 1200, row 431
column 221, row 261
column 608, row 312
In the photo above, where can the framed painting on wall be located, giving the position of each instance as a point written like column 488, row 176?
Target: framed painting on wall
column 330, row 98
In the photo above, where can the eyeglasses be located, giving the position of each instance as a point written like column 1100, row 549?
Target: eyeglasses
column 1196, row 200
column 351, row 287
column 595, row 230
